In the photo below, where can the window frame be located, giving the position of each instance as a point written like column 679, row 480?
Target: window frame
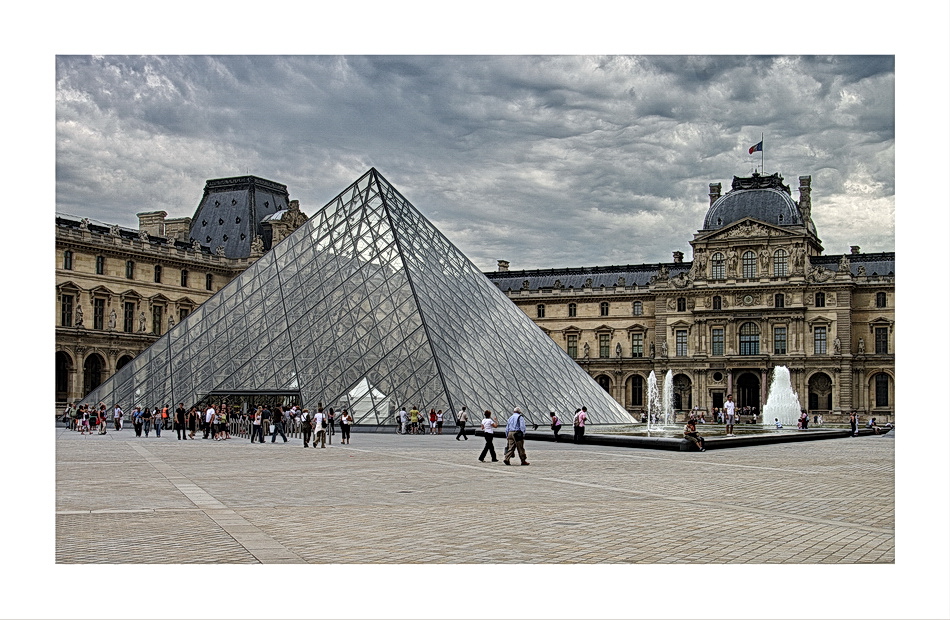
column 98, row 313
column 718, row 340
column 820, row 338
column 681, row 304
column 128, row 317
column 638, row 308
column 603, row 342
column 779, row 300
column 66, row 309
column 750, row 265
column 572, row 345
column 882, row 385
column 636, row 344
column 717, row 302
column 881, row 341
column 717, row 269
column 780, row 264
column 209, row 281
column 880, row 300
column 100, row 265
column 776, row 350
column 539, row 311
column 184, row 278
column 749, row 342
column 820, row 299
column 68, row 260
column 158, row 274
column 681, row 338
column 130, row 270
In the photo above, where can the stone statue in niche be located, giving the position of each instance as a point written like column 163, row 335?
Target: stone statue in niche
column 652, row 349
column 664, row 349
column 861, row 350
column 112, row 319
column 798, row 259
column 142, row 322
column 171, row 321
column 732, row 261
column 78, row 316
column 619, row 350
column 837, row 346
column 764, row 260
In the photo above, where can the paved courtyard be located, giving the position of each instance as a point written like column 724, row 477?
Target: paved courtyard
column 389, row 499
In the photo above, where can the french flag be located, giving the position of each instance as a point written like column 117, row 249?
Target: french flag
column 757, row 147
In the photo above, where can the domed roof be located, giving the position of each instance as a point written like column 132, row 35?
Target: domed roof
column 765, row 199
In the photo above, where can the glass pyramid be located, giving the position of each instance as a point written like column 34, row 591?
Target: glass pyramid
column 366, row 306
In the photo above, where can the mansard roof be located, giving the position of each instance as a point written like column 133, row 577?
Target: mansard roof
column 765, row 198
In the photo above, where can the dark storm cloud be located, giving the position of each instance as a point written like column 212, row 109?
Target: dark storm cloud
column 542, row 160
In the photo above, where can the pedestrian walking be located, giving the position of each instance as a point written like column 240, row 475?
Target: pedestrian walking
column 580, row 421
column 346, row 420
column 320, row 428
column 555, row 425
column 488, row 427
column 460, row 421
column 181, row 422
column 306, row 427
column 257, row 425
column 117, row 416
column 193, row 420
column 514, row 431
column 278, row 425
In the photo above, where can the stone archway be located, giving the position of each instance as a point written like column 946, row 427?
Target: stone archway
column 636, row 391
column 64, row 370
column 682, row 392
column 125, row 359
column 93, row 370
column 748, row 390
column 604, row 382
column 819, row 392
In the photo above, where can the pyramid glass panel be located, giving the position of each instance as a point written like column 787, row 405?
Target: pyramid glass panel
column 366, row 306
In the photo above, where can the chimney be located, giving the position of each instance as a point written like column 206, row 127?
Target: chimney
column 804, row 197
column 715, row 190
column 677, row 257
column 152, row 222
column 177, row 228
column 503, row 265
column 855, row 249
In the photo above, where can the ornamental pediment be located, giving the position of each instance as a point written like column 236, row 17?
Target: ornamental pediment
column 748, row 228
column 679, row 323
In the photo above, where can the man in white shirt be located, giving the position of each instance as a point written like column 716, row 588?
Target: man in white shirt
column 401, row 418
column 729, row 415
column 460, row 420
column 209, row 418
column 319, row 431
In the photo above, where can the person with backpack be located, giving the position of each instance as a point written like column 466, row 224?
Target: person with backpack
column 306, row 427
column 580, row 420
column 147, row 420
column 514, row 431
column 320, row 428
column 278, row 425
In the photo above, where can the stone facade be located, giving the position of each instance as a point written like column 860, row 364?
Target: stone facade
column 119, row 289
column 757, row 294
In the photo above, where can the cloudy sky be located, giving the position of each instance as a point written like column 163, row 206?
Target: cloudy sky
column 546, row 161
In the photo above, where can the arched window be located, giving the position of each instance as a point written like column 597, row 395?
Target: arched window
column 184, row 277
column 717, row 302
column 749, row 266
column 718, row 266
column 100, row 265
column 604, row 308
column 209, row 280
column 129, row 269
column 540, row 310
column 68, row 259
column 881, row 300
column 749, row 339
column 604, row 382
column 158, row 274
column 779, row 300
column 819, row 300
column 636, row 391
column 780, row 263
column 637, row 308
column 572, row 310
column 681, row 304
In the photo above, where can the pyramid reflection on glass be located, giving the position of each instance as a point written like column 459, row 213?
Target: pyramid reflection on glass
column 366, row 306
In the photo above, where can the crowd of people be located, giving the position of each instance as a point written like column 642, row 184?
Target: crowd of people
column 416, row 422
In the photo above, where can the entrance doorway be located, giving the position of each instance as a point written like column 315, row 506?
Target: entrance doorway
column 93, row 369
column 747, row 390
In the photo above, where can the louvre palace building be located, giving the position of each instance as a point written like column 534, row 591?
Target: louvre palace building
column 118, row 289
column 758, row 294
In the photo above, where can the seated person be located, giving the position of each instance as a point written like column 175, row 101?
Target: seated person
column 689, row 432
column 777, row 423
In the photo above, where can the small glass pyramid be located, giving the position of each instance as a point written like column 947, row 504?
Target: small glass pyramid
column 367, row 306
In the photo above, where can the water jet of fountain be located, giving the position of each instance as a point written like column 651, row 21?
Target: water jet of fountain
column 782, row 401
column 669, row 416
column 654, row 406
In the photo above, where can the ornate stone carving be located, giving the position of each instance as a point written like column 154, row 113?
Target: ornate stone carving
column 820, row 274
column 586, row 350
column 621, row 281
column 142, row 322
column 619, row 350
column 652, row 349
column 257, row 245
column 589, row 283
column 114, row 230
column 798, row 259
column 837, row 346
column 79, row 316
column 112, row 319
column 219, row 251
column 844, row 265
column 861, row 350
column 680, row 280
column 143, row 236
column 764, row 258
column 671, row 303
column 84, row 223
column 664, row 349
column 747, row 229
column 195, row 245
column 862, row 271
column 732, row 261
column 558, row 285
column 171, row 321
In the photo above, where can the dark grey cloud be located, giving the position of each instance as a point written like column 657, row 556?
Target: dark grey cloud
column 541, row 160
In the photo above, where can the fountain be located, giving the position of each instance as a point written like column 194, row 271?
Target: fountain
column 669, row 416
column 654, row 405
column 782, row 400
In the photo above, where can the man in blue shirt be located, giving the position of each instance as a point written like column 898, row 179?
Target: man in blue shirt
column 514, row 430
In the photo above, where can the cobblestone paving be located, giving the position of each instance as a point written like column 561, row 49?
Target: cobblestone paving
column 391, row 499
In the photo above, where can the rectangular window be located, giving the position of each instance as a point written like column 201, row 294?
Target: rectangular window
column 780, row 337
column 880, row 340
column 604, row 345
column 636, row 346
column 66, row 316
column 572, row 345
column 637, row 308
column 157, row 319
column 821, row 340
column 209, row 280
column 681, row 343
column 128, row 317
column 571, row 310
column 881, row 396
column 182, row 313
column 100, row 265
column 718, row 341
column 184, row 277
column 98, row 313
column 129, row 269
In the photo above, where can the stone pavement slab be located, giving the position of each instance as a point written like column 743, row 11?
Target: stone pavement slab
column 390, row 499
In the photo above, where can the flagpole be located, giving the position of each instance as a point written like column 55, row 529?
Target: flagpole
column 763, row 152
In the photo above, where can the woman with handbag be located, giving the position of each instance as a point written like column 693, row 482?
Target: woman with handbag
column 345, row 421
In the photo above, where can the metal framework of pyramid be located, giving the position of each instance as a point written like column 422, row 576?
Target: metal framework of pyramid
column 366, row 306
